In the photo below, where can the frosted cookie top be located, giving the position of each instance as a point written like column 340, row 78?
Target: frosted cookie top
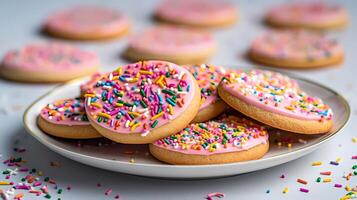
column 196, row 11
column 307, row 13
column 277, row 93
column 227, row 134
column 87, row 20
column 138, row 97
column 296, row 45
column 50, row 57
column 208, row 78
column 65, row 112
column 172, row 40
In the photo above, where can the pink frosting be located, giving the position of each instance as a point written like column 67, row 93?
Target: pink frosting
column 196, row 11
column 208, row 78
column 88, row 86
column 275, row 93
column 49, row 57
column 172, row 40
column 87, row 20
column 228, row 134
column 65, row 112
column 296, row 45
column 307, row 13
column 139, row 97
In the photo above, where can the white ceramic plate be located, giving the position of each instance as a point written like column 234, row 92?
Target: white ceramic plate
column 116, row 157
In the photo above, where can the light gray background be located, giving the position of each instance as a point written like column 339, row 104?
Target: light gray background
column 21, row 21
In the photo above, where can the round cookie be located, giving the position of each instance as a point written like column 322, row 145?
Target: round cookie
column 208, row 78
column 66, row 118
column 87, row 23
column 175, row 44
column 296, row 49
column 197, row 13
column 48, row 62
column 88, row 86
column 226, row 140
column 139, row 102
column 272, row 99
column 314, row 15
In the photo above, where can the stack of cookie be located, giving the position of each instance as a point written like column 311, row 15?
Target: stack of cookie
column 177, row 110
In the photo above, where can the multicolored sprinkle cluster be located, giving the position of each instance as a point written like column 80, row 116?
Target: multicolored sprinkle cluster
column 66, row 110
column 228, row 134
column 139, row 97
column 276, row 91
column 208, row 78
column 296, row 44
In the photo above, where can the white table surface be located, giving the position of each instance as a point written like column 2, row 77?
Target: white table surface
column 21, row 21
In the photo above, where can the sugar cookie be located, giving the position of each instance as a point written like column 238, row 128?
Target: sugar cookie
column 66, row 118
column 138, row 103
column 197, row 13
column 170, row 43
column 226, row 140
column 208, row 78
column 48, row 62
column 272, row 99
column 315, row 15
column 296, row 49
column 87, row 23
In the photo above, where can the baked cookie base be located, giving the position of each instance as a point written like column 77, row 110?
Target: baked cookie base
column 133, row 54
column 337, row 24
column 177, row 158
column 43, row 77
column 209, row 24
column 297, row 64
column 210, row 112
column 86, row 36
column 69, row 132
column 273, row 119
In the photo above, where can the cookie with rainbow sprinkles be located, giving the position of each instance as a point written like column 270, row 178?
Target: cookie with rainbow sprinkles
column 197, row 13
column 171, row 43
column 87, row 22
column 138, row 103
column 208, row 78
column 275, row 100
column 313, row 15
column 296, row 49
column 224, row 140
column 48, row 62
column 66, row 118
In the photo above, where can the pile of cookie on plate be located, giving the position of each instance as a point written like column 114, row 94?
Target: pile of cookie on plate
column 194, row 114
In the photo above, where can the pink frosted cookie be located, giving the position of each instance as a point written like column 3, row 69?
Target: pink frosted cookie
column 66, row 118
column 296, row 49
column 48, row 62
column 208, row 78
column 274, row 99
column 198, row 13
column 226, row 140
column 175, row 44
column 139, row 102
column 316, row 15
column 87, row 23
column 88, row 86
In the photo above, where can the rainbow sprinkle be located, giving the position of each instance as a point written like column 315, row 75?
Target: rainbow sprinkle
column 226, row 134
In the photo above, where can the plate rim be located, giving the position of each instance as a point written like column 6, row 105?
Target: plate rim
column 296, row 151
